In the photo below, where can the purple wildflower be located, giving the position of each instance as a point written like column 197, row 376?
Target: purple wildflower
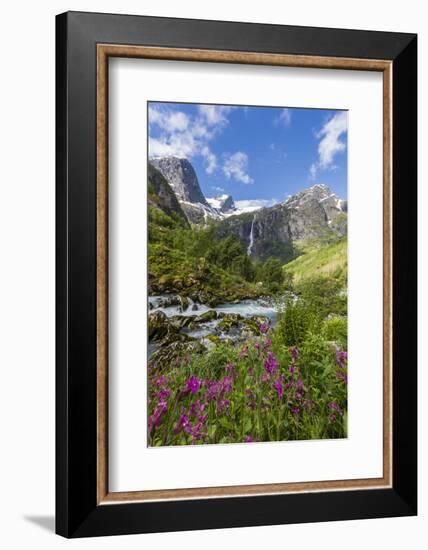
column 164, row 394
column 193, row 384
column 341, row 357
column 294, row 353
column 248, row 439
column 270, row 363
column 278, row 388
column 295, row 410
column 197, row 407
column 266, row 377
column 342, row 375
column 223, row 404
column 214, row 390
column 183, row 423
column 264, row 328
column 267, row 344
column 335, row 407
column 160, row 380
column 227, row 384
column 156, row 418
column 198, row 431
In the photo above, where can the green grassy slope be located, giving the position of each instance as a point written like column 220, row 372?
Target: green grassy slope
column 330, row 261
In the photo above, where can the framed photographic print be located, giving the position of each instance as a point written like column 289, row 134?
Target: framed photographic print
column 236, row 274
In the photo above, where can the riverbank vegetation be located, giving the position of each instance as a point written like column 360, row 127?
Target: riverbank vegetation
column 260, row 390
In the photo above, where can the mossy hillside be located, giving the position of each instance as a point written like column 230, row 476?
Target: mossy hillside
column 195, row 264
column 172, row 270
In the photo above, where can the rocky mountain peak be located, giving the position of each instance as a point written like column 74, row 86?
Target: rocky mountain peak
column 315, row 196
column 182, row 178
column 223, row 203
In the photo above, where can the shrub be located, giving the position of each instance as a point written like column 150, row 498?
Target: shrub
column 325, row 295
column 335, row 329
column 272, row 274
column 295, row 319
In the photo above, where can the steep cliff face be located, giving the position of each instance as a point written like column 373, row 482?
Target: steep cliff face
column 161, row 196
column 272, row 231
column 181, row 176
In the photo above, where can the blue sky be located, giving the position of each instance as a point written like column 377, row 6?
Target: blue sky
column 259, row 154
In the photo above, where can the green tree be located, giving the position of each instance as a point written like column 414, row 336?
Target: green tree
column 272, row 274
column 326, row 295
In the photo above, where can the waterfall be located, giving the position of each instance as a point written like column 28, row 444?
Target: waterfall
column 250, row 246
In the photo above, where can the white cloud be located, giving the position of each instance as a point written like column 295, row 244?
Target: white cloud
column 284, row 117
column 218, row 189
column 178, row 144
column 159, row 148
column 255, row 204
column 214, row 114
column 170, row 121
column 210, row 159
column 331, row 143
column 187, row 136
column 178, row 121
column 330, row 135
column 236, row 167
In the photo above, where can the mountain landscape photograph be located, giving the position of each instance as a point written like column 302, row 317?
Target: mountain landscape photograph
column 247, row 274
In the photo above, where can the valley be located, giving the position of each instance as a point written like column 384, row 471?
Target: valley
column 240, row 289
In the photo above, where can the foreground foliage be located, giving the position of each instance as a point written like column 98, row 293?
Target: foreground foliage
column 263, row 390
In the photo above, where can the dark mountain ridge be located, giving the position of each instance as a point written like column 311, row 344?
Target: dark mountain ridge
column 313, row 213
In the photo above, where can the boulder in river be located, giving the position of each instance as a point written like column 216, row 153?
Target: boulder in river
column 229, row 320
column 168, row 301
column 184, row 302
column 159, row 325
column 181, row 321
column 207, row 316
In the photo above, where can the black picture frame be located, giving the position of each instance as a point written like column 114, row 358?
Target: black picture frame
column 77, row 511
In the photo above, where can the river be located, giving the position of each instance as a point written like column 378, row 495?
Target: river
column 246, row 309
